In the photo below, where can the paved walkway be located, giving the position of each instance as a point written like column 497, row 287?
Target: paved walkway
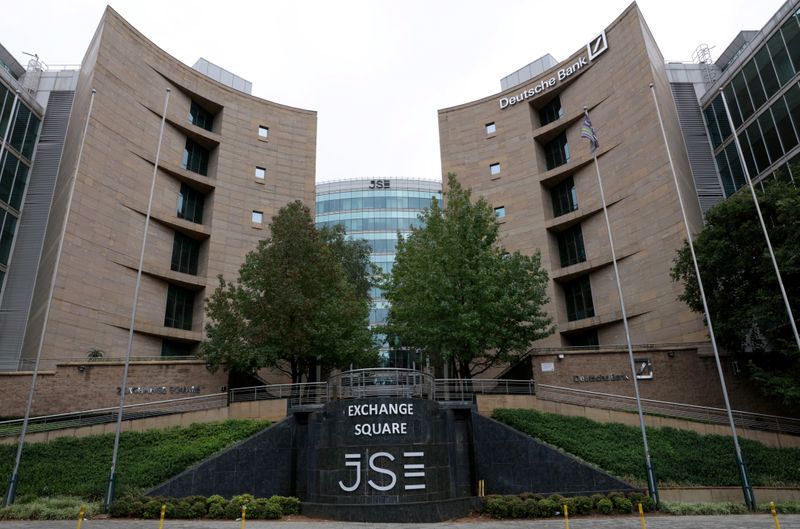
column 744, row 521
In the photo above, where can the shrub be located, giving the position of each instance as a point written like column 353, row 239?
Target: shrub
column 214, row 499
column 605, row 506
column 151, row 509
column 289, row 504
column 622, row 505
column 232, row 511
column 198, row 509
column 53, row 508
column 496, row 507
column 581, row 505
column 183, row 510
column 596, row 499
column 548, row 508
column 216, row 511
column 264, row 509
column 516, row 507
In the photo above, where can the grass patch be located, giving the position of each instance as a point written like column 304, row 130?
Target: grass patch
column 28, row 507
column 79, row 466
column 680, row 458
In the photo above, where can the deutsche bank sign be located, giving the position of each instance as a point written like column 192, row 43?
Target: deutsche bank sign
column 594, row 49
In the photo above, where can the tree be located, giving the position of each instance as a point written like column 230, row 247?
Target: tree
column 300, row 299
column 456, row 294
column 744, row 299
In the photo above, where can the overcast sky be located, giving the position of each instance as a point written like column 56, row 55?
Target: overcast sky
column 375, row 71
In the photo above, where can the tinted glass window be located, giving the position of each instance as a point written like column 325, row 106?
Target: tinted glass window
column 784, row 124
column 780, row 59
column 180, row 304
column 767, row 72
column 733, row 106
column 742, row 96
column 185, row 253
column 791, row 35
column 578, row 295
column 551, row 112
column 770, row 135
column 190, row 204
column 195, row 158
column 564, row 197
column 557, row 151
column 754, row 84
column 570, row 246
column 200, row 117
column 6, row 235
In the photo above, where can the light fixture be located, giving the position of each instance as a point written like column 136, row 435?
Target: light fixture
column 560, row 356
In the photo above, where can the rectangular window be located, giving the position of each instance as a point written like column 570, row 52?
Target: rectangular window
column 791, row 35
column 565, row 199
column 185, row 254
column 754, row 85
column 261, row 173
column 551, row 112
column 767, row 72
column 570, row 246
column 176, row 348
column 200, row 117
column 257, row 217
column 780, row 58
column 7, row 174
column 263, row 132
column 7, row 228
column 190, row 204
column 770, row 135
column 733, row 106
column 500, row 212
column 180, row 305
column 494, row 169
column 195, row 158
column 784, row 124
column 583, row 338
column 578, row 295
column 490, row 128
column 556, row 152
column 742, row 96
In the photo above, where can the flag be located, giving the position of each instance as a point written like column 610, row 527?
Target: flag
column 587, row 131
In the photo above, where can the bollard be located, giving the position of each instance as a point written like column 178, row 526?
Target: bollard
column 774, row 515
column 80, row 516
column 641, row 515
column 161, row 520
column 244, row 513
column 566, row 516
column 481, row 488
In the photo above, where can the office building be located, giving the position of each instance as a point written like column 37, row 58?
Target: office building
column 376, row 210
column 521, row 149
column 227, row 161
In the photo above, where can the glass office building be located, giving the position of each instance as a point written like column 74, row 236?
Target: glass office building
column 376, row 210
column 759, row 75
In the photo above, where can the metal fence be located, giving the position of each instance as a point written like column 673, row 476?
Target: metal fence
column 109, row 415
column 364, row 383
column 297, row 394
column 744, row 419
column 465, row 389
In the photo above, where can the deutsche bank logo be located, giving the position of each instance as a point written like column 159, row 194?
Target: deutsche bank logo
column 413, row 471
column 596, row 46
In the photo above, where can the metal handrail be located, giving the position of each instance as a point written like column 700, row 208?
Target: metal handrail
column 381, row 382
column 746, row 419
column 464, row 389
column 105, row 415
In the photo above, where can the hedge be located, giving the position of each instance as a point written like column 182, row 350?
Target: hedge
column 214, row 507
column 679, row 457
column 79, row 466
column 529, row 505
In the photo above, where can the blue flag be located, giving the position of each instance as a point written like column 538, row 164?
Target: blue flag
column 587, row 131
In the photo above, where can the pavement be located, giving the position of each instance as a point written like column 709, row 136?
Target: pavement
column 742, row 521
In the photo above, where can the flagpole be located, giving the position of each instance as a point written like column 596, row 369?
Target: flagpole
column 747, row 488
column 113, row 475
column 651, row 478
column 761, row 220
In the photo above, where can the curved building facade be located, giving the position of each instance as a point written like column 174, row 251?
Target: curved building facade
column 376, row 210
column 227, row 163
column 522, row 150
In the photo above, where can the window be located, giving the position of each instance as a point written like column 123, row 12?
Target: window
column 190, row 204
column 780, row 58
column 257, row 217
column 185, row 252
column 263, row 132
column 200, row 117
column 7, row 227
column 578, row 295
column 551, row 112
column 494, row 169
column 261, row 173
column 491, row 128
column 556, row 152
column 565, row 199
column 175, row 348
column 582, row 338
column 500, row 212
column 195, row 158
column 570, row 246
column 180, row 304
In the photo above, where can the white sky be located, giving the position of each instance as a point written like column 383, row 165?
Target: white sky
column 375, row 71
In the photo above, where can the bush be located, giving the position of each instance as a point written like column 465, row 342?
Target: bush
column 289, row 504
column 622, row 505
column 151, row 509
column 581, row 505
column 77, row 466
column 605, row 506
column 216, row 511
column 496, row 507
column 548, row 508
column 264, row 509
column 689, row 458
column 53, row 508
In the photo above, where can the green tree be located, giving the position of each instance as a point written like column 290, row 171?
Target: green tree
column 300, row 300
column 456, row 294
column 744, row 299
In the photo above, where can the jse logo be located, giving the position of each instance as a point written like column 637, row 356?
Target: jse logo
column 379, row 184
column 415, row 470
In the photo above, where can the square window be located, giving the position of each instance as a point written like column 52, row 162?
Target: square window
column 257, row 217
column 500, row 212
column 494, row 169
column 261, row 173
column 263, row 132
column 491, row 128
